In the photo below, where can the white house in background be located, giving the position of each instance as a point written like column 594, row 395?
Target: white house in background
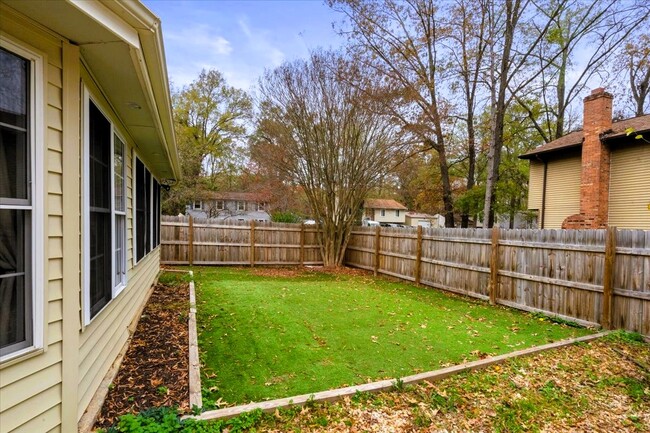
column 86, row 140
column 415, row 219
column 237, row 206
column 384, row 211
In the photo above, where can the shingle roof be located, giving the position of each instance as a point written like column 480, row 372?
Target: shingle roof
column 574, row 139
column 381, row 203
column 419, row 215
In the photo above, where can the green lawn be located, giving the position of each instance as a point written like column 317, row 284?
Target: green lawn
column 264, row 336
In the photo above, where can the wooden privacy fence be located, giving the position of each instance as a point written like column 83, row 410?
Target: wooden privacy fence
column 587, row 276
column 201, row 241
column 593, row 277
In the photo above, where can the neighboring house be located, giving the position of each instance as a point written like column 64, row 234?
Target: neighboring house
column 384, row 211
column 239, row 206
column 594, row 177
column 86, row 143
column 415, row 219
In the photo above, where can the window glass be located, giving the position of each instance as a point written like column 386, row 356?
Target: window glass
column 99, row 148
column 15, row 190
column 140, row 210
column 14, row 149
column 119, row 192
column 118, row 168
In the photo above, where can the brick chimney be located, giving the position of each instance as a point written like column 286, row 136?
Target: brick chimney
column 594, row 176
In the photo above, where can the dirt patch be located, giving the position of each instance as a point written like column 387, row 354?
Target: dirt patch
column 154, row 371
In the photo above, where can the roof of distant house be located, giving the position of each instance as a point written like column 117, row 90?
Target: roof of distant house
column 382, row 203
column 574, row 139
column 421, row 215
column 238, row 196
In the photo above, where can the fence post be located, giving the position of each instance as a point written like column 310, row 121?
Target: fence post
column 252, row 254
column 302, row 244
column 608, row 277
column 494, row 266
column 418, row 256
column 377, row 237
column 190, row 240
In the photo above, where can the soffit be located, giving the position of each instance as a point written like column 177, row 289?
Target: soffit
column 111, row 50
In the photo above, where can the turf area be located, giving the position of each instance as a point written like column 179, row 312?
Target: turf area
column 271, row 333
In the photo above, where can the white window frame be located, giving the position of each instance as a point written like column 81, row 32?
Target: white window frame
column 241, row 208
column 382, row 212
column 116, row 287
column 36, row 159
column 221, row 205
column 194, row 205
column 397, row 212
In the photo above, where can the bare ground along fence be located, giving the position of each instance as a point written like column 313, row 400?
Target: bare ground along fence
column 588, row 276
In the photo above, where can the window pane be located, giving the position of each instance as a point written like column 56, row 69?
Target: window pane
column 15, row 296
column 100, row 261
column 100, row 210
column 14, row 89
column 147, row 190
column 14, row 153
column 120, row 250
column 140, row 209
column 118, row 161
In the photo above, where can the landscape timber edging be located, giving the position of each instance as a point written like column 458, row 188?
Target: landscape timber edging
column 195, row 365
column 387, row 384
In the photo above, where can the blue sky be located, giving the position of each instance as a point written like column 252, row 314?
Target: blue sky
column 240, row 38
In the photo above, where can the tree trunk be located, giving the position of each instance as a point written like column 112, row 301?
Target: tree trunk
column 494, row 154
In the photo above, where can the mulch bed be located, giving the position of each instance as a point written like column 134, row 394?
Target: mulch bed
column 155, row 369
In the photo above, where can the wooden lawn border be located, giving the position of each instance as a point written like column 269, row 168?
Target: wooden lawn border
column 387, row 384
column 195, row 364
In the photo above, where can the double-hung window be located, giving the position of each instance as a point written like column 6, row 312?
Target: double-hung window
column 21, row 259
column 147, row 211
column 104, row 212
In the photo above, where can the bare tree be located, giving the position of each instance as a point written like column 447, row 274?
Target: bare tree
column 603, row 26
column 467, row 48
column 324, row 132
column 400, row 41
column 516, row 29
column 636, row 56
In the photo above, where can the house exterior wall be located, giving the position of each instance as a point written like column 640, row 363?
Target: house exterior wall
column 49, row 389
column 562, row 191
column 629, row 188
column 231, row 210
column 31, row 386
column 390, row 216
column 535, row 185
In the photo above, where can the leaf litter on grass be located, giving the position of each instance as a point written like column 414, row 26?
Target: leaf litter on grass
column 579, row 388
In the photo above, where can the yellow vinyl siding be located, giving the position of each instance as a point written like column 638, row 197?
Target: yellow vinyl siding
column 535, row 185
column 562, row 191
column 629, row 187
column 30, row 389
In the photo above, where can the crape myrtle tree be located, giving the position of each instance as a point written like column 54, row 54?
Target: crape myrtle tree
column 326, row 135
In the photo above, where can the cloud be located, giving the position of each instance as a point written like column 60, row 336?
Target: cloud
column 258, row 41
column 201, row 37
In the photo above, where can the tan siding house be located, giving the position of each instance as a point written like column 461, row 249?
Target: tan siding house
column 84, row 153
column 595, row 177
column 385, row 211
